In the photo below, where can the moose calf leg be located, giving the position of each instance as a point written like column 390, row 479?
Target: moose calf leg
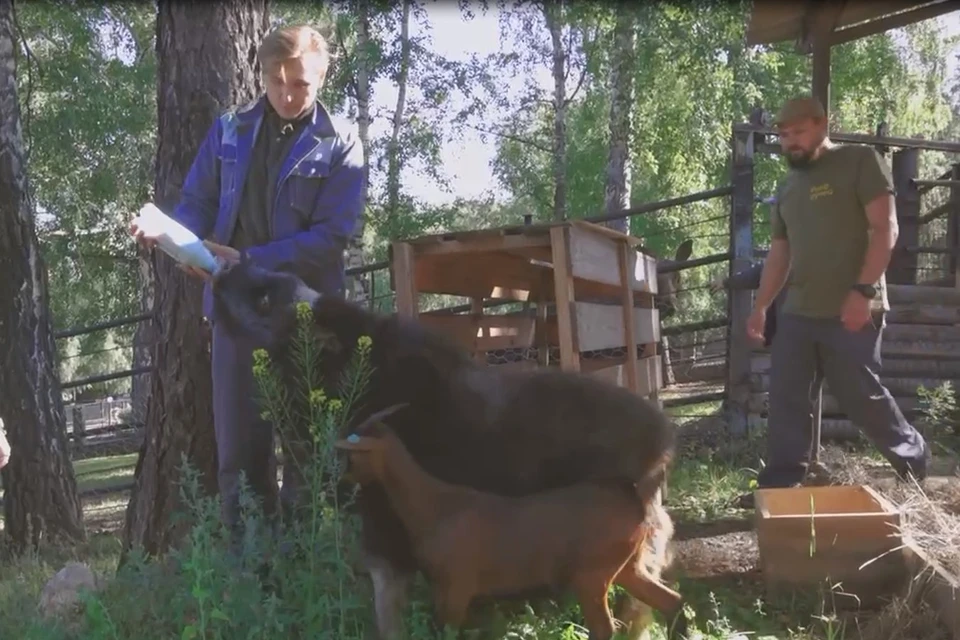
column 636, row 579
column 654, row 554
column 389, row 598
column 451, row 603
column 592, row 594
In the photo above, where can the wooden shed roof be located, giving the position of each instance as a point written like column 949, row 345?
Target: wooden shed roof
column 772, row 21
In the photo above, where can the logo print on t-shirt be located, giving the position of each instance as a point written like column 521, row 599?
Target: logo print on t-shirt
column 821, row 191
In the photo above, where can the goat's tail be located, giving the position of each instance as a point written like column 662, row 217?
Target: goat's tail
column 646, row 488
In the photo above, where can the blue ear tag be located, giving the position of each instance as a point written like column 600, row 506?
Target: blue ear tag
column 353, row 438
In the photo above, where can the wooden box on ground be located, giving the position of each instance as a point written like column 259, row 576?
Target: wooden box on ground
column 847, row 537
column 587, row 290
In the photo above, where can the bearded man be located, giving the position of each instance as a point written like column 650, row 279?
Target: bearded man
column 833, row 228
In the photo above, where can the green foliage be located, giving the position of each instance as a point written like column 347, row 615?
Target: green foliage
column 939, row 410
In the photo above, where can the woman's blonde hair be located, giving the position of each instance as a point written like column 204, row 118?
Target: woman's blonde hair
column 294, row 41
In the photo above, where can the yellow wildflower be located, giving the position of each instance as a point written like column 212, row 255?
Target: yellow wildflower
column 317, row 398
column 304, row 312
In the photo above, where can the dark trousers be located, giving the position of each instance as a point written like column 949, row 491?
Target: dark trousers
column 245, row 441
column 805, row 352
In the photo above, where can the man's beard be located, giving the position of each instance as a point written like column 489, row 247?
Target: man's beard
column 801, row 161
column 805, row 157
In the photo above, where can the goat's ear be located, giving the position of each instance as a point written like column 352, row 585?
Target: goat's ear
column 355, row 443
column 684, row 250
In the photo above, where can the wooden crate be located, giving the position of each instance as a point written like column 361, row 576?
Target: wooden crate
column 588, row 289
column 842, row 534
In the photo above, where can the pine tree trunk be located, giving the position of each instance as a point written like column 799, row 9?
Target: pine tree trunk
column 206, row 62
column 41, row 498
column 143, row 341
column 617, row 193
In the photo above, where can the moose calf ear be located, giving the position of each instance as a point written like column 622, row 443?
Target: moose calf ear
column 684, row 250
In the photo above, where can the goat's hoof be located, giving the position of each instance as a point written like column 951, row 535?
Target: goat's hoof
column 677, row 625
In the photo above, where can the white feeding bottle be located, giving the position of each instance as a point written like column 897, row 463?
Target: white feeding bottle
column 176, row 240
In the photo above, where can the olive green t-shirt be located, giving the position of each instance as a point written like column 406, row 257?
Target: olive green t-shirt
column 821, row 212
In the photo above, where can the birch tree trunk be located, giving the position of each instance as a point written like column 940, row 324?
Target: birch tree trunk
column 394, row 158
column 553, row 13
column 40, row 500
column 359, row 285
column 617, row 193
column 206, row 62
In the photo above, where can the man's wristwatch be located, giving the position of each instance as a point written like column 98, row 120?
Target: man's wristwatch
column 868, row 291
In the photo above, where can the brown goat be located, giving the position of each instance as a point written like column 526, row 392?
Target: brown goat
column 471, row 543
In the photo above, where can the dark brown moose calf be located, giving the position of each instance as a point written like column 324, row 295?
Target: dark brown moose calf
column 509, row 433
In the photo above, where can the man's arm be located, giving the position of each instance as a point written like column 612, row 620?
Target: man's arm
column 200, row 195
column 774, row 275
column 875, row 191
column 777, row 265
column 334, row 220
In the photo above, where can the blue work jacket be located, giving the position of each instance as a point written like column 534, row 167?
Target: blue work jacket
column 318, row 195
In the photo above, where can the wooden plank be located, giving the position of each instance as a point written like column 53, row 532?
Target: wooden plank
column 405, row 281
column 601, row 326
column 508, row 331
column 740, row 302
column 628, row 317
column 893, row 367
column 929, row 350
column 472, row 235
column 890, row 22
column 941, row 588
column 649, row 372
column 903, row 264
column 611, row 234
column 595, row 257
column 924, row 314
column 493, row 243
column 563, row 293
column 832, row 428
column 479, row 275
column 897, row 386
column 760, row 404
column 899, row 294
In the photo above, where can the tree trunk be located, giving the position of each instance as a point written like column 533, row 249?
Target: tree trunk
column 41, row 498
column 206, row 62
column 394, row 160
column 143, row 341
column 617, row 193
column 359, row 285
column 553, row 13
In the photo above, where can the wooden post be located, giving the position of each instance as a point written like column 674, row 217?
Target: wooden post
column 817, row 427
column 953, row 225
column 739, row 303
column 903, row 264
column 79, row 426
column 563, row 292
column 821, row 70
column 630, row 339
column 404, row 279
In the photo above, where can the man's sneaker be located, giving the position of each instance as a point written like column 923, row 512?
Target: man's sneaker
column 744, row 501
